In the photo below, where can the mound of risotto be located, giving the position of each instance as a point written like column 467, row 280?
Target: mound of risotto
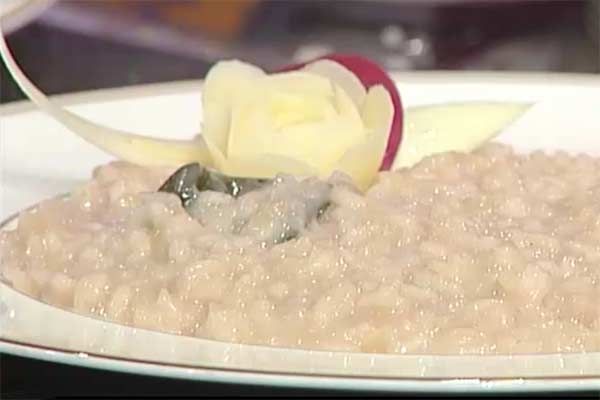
column 483, row 253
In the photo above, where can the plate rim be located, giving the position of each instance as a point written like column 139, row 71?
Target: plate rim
column 279, row 379
column 554, row 79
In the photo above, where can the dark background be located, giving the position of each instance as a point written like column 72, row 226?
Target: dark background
column 77, row 45
column 83, row 45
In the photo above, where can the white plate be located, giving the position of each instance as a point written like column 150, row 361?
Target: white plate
column 40, row 159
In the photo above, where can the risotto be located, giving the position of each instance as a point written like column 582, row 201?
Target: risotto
column 482, row 253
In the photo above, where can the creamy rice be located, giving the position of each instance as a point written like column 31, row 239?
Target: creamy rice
column 481, row 253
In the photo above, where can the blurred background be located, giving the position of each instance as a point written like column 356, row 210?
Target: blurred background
column 74, row 45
